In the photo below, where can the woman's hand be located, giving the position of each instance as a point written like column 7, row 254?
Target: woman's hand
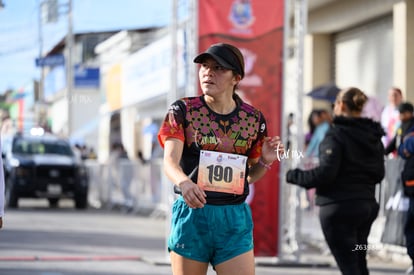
column 193, row 195
column 272, row 149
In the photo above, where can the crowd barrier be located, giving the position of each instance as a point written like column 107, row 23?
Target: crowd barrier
column 128, row 185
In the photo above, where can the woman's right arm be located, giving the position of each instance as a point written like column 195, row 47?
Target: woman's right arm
column 330, row 158
column 193, row 195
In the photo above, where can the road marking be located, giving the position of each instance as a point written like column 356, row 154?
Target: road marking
column 71, row 258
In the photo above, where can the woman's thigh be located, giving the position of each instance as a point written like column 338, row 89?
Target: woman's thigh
column 239, row 265
column 184, row 266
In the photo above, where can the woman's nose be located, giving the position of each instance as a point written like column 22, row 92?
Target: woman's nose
column 208, row 70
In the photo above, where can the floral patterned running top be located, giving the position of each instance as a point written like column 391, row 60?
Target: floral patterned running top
column 240, row 132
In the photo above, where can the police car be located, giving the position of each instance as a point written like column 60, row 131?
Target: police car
column 39, row 165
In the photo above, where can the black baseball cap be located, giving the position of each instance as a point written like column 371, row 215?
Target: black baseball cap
column 405, row 107
column 226, row 55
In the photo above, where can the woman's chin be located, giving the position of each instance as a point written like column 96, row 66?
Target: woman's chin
column 207, row 92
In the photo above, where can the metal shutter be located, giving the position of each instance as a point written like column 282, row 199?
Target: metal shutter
column 363, row 57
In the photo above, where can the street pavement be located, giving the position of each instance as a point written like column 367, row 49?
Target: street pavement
column 42, row 241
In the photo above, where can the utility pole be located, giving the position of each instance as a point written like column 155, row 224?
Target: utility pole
column 40, row 96
column 49, row 13
column 69, row 68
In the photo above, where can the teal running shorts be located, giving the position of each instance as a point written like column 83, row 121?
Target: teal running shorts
column 214, row 233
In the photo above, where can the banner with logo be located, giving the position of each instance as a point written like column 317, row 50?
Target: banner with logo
column 256, row 28
column 239, row 18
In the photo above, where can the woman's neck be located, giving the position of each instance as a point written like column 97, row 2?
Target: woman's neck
column 221, row 105
column 352, row 114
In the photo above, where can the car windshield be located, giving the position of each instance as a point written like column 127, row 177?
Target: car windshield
column 32, row 147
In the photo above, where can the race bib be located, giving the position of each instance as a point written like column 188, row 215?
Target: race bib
column 222, row 172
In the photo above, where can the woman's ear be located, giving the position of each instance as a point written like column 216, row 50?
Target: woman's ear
column 237, row 78
column 343, row 106
column 343, row 109
column 338, row 108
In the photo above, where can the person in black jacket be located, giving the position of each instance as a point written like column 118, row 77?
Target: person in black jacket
column 351, row 164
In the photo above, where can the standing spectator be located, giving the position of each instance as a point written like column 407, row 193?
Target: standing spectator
column 321, row 120
column 405, row 137
column 84, row 152
column 390, row 116
column 214, row 146
column 141, row 157
column 312, row 127
column 126, row 173
column 291, row 130
column 373, row 109
column 92, row 154
column 351, row 163
column 77, row 149
column 406, row 123
column 318, row 122
column 113, row 173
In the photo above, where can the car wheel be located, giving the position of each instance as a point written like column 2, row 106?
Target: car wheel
column 53, row 202
column 11, row 196
column 81, row 201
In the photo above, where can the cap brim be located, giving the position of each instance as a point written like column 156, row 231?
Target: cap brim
column 201, row 57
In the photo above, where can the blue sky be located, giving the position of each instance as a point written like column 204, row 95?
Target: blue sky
column 19, row 29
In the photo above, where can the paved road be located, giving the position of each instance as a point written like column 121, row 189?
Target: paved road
column 41, row 241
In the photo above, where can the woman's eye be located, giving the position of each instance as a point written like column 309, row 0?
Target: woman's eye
column 216, row 68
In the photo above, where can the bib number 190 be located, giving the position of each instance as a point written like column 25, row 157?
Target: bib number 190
column 219, row 173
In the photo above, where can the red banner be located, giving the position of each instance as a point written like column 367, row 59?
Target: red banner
column 240, row 18
column 258, row 33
